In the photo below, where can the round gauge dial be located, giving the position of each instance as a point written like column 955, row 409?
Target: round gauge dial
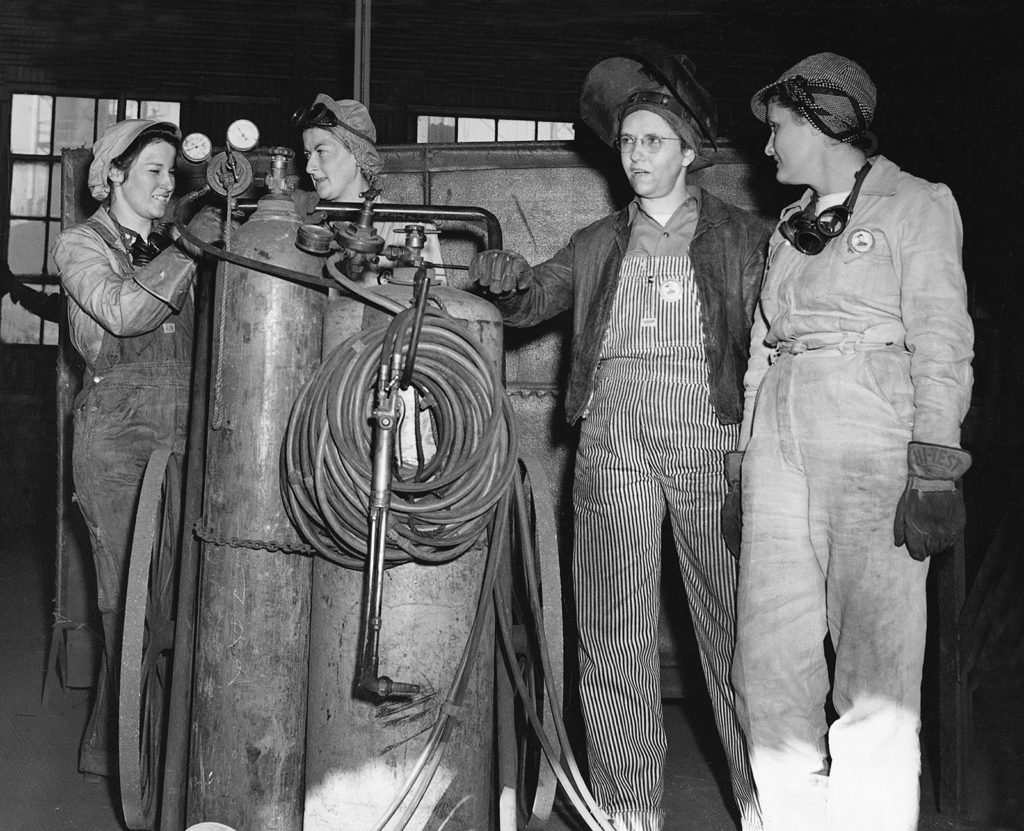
column 196, row 147
column 243, row 135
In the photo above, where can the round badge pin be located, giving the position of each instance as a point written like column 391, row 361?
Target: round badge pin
column 861, row 241
column 670, row 291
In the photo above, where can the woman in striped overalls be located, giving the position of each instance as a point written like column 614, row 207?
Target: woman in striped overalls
column 662, row 293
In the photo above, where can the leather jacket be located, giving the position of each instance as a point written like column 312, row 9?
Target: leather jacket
column 727, row 253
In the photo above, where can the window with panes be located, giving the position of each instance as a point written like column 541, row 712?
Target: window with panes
column 453, row 128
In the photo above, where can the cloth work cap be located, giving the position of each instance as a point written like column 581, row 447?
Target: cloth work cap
column 644, row 75
column 832, row 92
column 113, row 143
column 356, row 131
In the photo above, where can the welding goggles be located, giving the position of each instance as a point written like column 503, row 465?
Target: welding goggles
column 809, row 232
column 318, row 114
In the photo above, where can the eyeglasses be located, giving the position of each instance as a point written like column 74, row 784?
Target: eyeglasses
column 314, row 115
column 650, row 142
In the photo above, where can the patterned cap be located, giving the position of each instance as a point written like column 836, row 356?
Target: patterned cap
column 832, row 92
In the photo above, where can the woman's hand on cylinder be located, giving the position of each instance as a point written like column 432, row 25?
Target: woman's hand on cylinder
column 208, row 226
column 501, row 272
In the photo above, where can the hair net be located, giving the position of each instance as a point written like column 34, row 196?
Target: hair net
column 356, row 131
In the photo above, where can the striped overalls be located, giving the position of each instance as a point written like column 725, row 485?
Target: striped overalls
column 651, row 442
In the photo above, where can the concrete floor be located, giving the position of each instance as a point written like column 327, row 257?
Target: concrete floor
column 41, row 789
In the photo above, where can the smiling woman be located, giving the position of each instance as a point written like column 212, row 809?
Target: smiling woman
column 130, row 315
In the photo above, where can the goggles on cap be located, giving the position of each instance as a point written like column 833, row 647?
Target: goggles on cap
column 809, row 233
column 657, row 99
column 320, row 115
column 802, row 91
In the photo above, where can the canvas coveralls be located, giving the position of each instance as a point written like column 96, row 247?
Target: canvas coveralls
column 859, row 350
column 134, row 329
column 651, row 441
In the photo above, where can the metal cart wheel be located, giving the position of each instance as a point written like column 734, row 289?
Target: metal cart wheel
column 147, row 644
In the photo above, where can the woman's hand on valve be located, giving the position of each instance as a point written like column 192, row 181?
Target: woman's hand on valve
column 501, row 272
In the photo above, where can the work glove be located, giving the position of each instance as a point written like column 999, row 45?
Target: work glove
column 732, row 506
column 501, row 272
column 208, row 226
column 930, row 515
column 9, row 283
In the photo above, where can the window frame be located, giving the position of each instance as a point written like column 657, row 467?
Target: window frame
column 496, row 115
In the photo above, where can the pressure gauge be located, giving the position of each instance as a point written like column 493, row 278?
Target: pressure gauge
column 196, row 147
column 243, row 135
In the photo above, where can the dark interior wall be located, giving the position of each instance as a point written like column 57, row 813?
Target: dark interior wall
column 224, row 60
column 935, row 61
column 950, row 81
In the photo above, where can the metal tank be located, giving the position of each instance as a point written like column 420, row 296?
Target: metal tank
column 360, row 753
column 249, row 711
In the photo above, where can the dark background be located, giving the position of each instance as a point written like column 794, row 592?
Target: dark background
column 950, row 102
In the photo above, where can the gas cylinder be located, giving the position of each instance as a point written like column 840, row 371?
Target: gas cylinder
column 249, row 710
column 359, row 753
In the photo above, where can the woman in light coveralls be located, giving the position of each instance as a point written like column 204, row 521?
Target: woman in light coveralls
column 130, row 316
column 859, row 377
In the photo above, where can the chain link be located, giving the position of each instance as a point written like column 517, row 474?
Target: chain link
column 207, row 535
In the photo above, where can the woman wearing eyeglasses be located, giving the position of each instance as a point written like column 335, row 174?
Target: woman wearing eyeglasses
column 130, row 315
column 858, row 379
column 662, row 293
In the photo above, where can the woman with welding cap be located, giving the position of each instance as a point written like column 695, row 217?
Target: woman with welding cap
column 130, row 316
column 662, row 292
column 344, row 164
column 858, row 379
column 342, row 160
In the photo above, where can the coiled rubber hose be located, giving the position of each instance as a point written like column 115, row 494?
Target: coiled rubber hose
column 443, row 511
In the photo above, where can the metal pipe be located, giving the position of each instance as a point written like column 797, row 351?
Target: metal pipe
column 388, row 211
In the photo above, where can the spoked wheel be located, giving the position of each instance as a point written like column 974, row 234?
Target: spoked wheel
column 147, row 643
column 536, row 563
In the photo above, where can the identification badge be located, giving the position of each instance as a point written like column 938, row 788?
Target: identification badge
column 168, row 328
column 861, row 241
column 670, row 291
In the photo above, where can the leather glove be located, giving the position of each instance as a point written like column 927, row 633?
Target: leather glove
column 9, row 283
column 501, row 272
column 930, row 515
column 207, row 225
column 732, row 507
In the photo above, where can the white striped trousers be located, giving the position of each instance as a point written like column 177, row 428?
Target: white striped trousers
column 651, row 444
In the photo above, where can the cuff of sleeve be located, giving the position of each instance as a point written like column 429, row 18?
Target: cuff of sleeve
column 168, row 277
